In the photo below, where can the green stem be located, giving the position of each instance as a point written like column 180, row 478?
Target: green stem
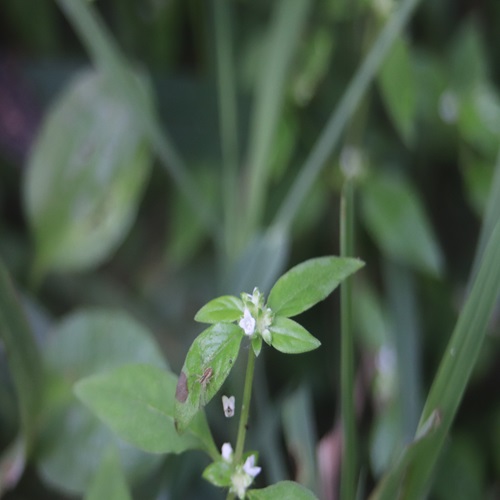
column 348, row 472
column 245, row 409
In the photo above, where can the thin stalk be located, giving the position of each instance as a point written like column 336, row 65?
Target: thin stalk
column 228, row 116
column 348, row 416
column 245, row 409
column 329, row 138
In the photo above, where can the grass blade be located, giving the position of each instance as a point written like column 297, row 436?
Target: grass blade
column 285, row 33
column 228, row 114
column 22, row 354
column 349, row 474
column 340, row 116
column 454, row 373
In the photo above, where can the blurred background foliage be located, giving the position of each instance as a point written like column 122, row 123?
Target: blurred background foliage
column 120, row 217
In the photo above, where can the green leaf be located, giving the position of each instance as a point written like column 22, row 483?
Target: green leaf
column 86, row 175
column 23, row 357
column 84, row 344
column 290, row 337
column 308, row 283
column 225, row 309
column 283, row 489
column 397, row 85
column 137, row 402
column 207, row 365
column 109, row 481
column 219, row 473
column 394, row 216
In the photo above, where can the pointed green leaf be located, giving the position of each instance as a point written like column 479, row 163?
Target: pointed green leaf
column 225, row 309
column 394, row 216
column 207, row 365
column 109, row 481
column 23, row 357
column 283, row 489
column 137, row 402
column 397, row 85
column 291, row 338
column 86, row 174
column 308, row 283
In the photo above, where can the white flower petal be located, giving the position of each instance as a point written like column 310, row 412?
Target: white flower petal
column 250, row 468
column 247, row 322
column 228, row 405
column 227, row 452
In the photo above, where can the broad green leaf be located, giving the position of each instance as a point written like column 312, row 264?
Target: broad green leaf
column 207, row 365
column 225, row 309
column 308, row 283
column 394, row 216
column 137, row 402
column 283, row 489
column 219, row 473
column 23, row 357
column 290, row 337
column 84, row 344
column 109, row 482
column 397, row 85
column 86, row 175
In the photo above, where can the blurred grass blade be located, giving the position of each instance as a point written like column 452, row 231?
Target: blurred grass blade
column 288, row 23
column 228, row 114
column 454, row 371
column 392, row 486
column 327, row 142
column 300, row 436
column 491, row 216
column 107, row 57
column 349, row 470
column 23, row 357
column 406, row 338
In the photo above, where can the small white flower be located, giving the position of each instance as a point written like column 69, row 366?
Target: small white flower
column 227, row 452
column 247, row 322
column 240, row 481
column 250, row 468
column 228, row 405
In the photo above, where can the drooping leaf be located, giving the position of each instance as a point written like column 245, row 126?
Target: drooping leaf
column 207, row 365
column 86, row 343
column 23, row 356
column 308, row 283
column 397, row 85
column 225, row 309
column 395, row 217
column 85, row 177
column 283, row 489
column 137, row 402
column 291, row 338
column 109, row 481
